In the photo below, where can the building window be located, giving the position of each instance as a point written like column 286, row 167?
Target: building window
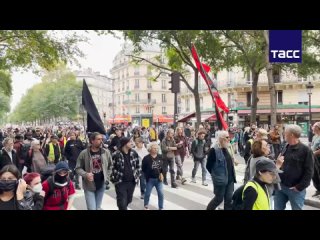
column 127, row 73
column 179, row 110
column 136, row 71
column 122, row 98
column 149, row 72
column 149, row 84
column 201, row 103
column 127, row 85
column 164, row 98
column 187, row 105
column 149, row 97
column 136, row 84
column 249, row 99
column 164, row 111
column 137, row 109
column 137, row 97
column 149, row 109
column 164, row 84
column 279, row 97
column 119, row 100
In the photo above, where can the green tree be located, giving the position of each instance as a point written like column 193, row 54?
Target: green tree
column 176, row 45
column 31, row 49
column 58, row 95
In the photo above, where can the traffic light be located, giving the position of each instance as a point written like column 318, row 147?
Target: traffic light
column 175, row 82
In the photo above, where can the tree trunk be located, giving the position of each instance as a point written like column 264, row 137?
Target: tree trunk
column 272, row 87
column 255, row 99
column 197, row 98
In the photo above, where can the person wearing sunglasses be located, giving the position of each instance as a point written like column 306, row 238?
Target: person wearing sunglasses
column 221, row 166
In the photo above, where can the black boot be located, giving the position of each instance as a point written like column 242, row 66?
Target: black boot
column 173, row 181
column 165, row 182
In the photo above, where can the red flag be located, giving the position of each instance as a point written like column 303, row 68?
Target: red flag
column 201, row 69
column 221, row 124
column 220, row 102
column 206, row 67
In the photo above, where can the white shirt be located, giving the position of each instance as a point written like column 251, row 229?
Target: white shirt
column 142, row 152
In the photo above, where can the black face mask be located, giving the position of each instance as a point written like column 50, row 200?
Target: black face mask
column 8, row 185
column 60, row 179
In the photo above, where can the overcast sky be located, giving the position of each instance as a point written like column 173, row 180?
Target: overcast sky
column 100, row 52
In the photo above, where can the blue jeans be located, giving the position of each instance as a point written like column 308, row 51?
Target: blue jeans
column 222, row 192
column 142, row 184
column 203, row 167
column 94, row 199
column 285, row 194
column 154, row 182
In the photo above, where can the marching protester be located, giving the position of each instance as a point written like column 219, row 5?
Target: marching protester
column 168, row 146
column 297, row 170
column 13, row 189
column 199, row 152
column 142, row 152
column 256, row 194
column 221, row 167
column 152, row 169
column 94, row 166
column 59, row 189
column 125, row 172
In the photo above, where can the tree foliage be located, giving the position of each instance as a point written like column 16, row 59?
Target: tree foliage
column 58, row 95
column 31, row 49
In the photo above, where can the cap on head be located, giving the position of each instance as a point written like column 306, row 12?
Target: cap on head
column 267, row 165
column 62, row 166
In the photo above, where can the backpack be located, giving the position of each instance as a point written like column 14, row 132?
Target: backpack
column 47, row 172
column 52, row 188
column 25, row 148
column 199, row 152
column 237, row 201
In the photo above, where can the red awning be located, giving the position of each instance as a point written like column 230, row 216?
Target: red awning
column 186, row 118
column 204, row 117
column 163, row 119
column 120, row 119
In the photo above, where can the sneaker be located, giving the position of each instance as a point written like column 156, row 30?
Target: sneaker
column 204, row 183
column 142, row 196
column 317, row 193
column 178, row 177
column 146, row 208
column 193, row 180
column 165, row 182
column 183, row 181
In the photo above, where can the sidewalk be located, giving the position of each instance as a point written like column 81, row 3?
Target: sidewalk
column 310, row 201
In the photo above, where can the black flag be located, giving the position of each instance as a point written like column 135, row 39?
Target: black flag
column 94, row 123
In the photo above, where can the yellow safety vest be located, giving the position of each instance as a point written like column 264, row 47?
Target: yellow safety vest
column 263, row 200
column 51, row 156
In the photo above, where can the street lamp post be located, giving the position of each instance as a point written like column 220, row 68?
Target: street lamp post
column 309, row 87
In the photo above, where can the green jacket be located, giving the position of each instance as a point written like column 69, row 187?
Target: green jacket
column 84, row 166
